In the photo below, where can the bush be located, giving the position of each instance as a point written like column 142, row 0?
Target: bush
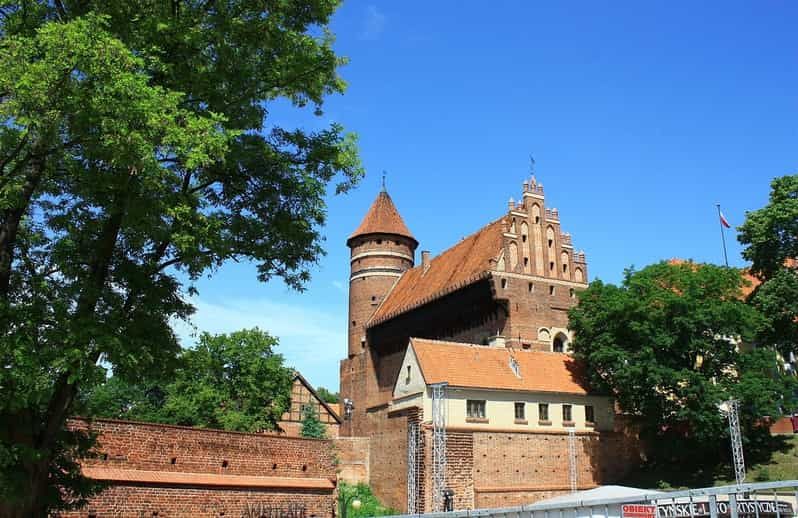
column 370, row 506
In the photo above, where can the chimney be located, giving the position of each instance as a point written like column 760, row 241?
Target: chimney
column 425, row 259
column 497, row 341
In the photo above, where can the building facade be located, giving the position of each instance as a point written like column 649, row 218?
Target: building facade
column 488, row 316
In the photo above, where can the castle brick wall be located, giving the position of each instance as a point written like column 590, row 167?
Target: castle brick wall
column 521, row 468
column 388, row 456
column 352, row 454
column 532, row 306
column 135, row 501
column 181, row 471
column 501, row 469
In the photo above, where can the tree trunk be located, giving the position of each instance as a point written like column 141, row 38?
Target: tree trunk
column 65, row 391
column 9, row 226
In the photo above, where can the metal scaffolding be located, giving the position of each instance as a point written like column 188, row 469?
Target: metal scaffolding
column 438, row 444
column 572, row 475
column 412, row 468
column 732, row 411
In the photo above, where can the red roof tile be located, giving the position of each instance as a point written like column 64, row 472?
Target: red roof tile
column 479, row 366
column 203, row 479
column 382, row 218
column 458, row 266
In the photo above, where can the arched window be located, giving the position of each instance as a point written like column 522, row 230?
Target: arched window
column 550, row 236
column 525, row 244
column 560, row 343
column 578, row 276
column 536, row 213
column 513, row 255
column 564, row 261
column 544, row 335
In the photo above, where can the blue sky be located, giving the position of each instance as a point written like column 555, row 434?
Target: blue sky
column 640, row 116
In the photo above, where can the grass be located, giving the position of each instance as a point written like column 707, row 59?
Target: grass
column 782, row 464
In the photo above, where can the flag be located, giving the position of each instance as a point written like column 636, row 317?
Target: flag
column 723, row 220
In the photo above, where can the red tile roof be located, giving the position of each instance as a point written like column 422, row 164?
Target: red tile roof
column 479, row 366
column 382, row 218
column 460, row 265
column 203, row 479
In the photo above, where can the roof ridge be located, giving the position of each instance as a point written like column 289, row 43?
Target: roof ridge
column 466, row 271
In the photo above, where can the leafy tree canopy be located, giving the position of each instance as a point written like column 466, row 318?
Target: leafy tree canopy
column 770, row 234
column 232, row 381
column 665, row 344
column 228, row 381
column 777, row 300
column 137, row 153
column 328, row 396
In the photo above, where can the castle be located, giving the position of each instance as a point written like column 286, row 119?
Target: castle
column 487, row 317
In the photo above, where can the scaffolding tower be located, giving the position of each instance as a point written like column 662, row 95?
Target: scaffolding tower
column 412, row 468
column 732, row 411
column 438, row 444
column 572, row 475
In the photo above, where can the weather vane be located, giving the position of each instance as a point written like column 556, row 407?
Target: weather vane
column 531, row 165
column 384, row 173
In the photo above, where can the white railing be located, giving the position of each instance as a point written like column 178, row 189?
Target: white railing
column 760, row 500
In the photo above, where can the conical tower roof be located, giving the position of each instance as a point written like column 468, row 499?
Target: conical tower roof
column 382, row 218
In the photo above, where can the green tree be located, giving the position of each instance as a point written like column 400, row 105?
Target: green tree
column 120, row 398
column 137, row 154
column 665, row 344
column 228, row 381
column 328, row 396
column 311, row 424
column 770, row 236
column 777, row 300
column 369, row 504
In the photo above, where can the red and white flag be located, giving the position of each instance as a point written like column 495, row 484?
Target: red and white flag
column 723, row 220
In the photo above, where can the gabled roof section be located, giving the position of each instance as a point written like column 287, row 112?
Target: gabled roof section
column 382, row 218
column 332, row 411
column 466, row 262
column 479, row 366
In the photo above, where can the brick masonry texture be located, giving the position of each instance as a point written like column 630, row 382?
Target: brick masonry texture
column 388, row 459
column 123, row 445
column 519, row 468
column 353, row 454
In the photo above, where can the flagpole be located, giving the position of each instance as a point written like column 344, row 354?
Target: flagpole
column 722, row 236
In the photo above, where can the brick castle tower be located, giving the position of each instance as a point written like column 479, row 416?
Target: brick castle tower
column 382, row 248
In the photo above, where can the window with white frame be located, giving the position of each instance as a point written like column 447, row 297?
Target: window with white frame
column 475, row 408
column 520, row 411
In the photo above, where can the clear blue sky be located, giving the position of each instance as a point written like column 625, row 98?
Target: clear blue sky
column 640, row 115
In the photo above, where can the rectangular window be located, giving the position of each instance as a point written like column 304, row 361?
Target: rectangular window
column 590, row 416
column 567, row 415
column 543, row 411
column 475, row 408
column 551, row 290
column 520, row 411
